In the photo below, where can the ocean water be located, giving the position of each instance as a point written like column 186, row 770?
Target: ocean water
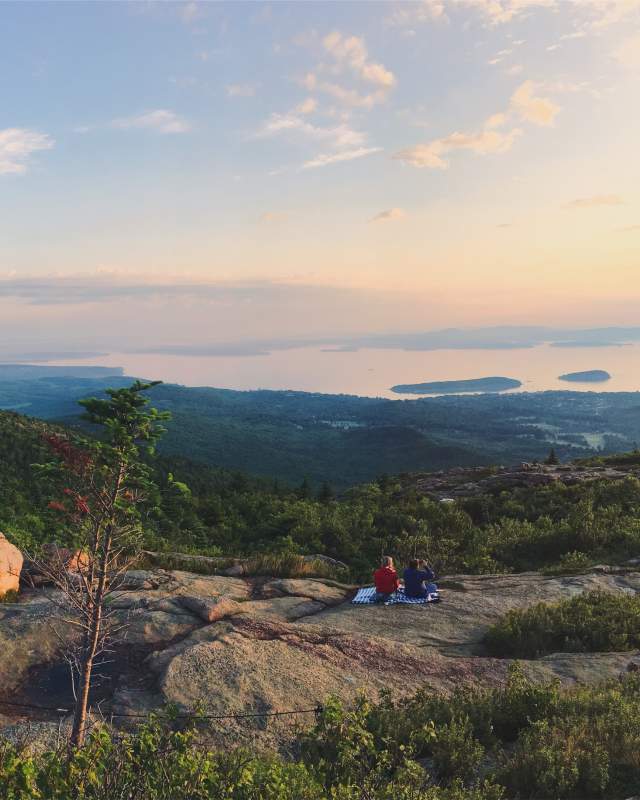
column 372, row 372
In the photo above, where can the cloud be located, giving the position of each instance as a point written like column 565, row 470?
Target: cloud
column 350, row 58
column 490, row 138
column 352, row 51
column 628, row 52
column 57, row 290
column 432, row 154
column 595, row 201
column 389, row 215
column 417, row 12
column 160, row 120
column 307, row 106
column 539, row 110
column 17, row 146
column 494, row 12
column 323, row 160
column 337, row 136
column 597, row 14
column 240, row 90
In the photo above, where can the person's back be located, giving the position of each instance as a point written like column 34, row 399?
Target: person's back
column 415, row 576
column 385, row 579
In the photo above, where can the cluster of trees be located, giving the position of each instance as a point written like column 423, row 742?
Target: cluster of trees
column 199, row 509
column 348, row 440
column 513, row 741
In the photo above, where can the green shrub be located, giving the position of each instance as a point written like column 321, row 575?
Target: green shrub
column 570, row 563
column 557, row 762
column 456, row 752
column 589, row 623
column 538, row 742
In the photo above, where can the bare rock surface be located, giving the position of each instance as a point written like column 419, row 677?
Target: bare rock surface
column 11, row 561
column 462, row 482
column 470, row 604
column 266, row 666
column 239, row 645
column 210, row 609
column 311, row 588
column 284, row 609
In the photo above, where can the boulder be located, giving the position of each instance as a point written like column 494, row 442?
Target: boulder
column 210, row 609
column 11, row 561
column 313, row 589
column 236, row 571
column 209, row 585
column 65, row 558
column 285, row 609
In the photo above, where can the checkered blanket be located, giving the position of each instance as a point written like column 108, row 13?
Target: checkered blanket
column 366, row 596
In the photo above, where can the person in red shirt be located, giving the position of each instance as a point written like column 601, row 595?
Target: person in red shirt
column 386, row 580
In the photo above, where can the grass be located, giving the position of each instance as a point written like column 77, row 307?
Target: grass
column 275, row 565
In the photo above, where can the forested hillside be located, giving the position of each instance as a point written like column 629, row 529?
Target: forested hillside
column 211, row 511
column 346, row 440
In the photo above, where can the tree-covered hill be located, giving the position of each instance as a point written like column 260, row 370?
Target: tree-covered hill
column 207, row 510
column 346, row 440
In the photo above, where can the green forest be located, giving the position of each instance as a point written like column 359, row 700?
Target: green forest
column 200, row 509
column 345, row 440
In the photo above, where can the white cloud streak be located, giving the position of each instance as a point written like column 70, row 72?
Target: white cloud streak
column 324, row 159
column 160, row 120
column 17, row 145
column 337, row 136
column 240, row 90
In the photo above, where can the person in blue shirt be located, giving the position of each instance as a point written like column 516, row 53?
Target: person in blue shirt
column 416, row 576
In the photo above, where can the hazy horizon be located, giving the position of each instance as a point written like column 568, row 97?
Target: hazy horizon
column 211, row 174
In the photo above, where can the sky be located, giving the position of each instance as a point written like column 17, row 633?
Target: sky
column 176, row 173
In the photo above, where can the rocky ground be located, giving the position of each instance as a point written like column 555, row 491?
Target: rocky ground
column 464, row 482
column 237, row 645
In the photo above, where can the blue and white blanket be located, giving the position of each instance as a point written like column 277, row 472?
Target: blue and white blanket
column 366, row 596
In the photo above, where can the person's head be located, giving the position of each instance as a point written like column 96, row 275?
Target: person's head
column 414, row 563
column 387, row 561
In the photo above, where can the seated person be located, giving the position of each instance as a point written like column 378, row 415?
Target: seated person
column 386, row 580
column 415, row 576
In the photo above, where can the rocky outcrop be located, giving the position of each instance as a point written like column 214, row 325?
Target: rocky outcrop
column 240, row 645
column 11, row 561
column 464, row 482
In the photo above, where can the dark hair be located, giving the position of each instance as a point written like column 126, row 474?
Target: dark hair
column 414, row 563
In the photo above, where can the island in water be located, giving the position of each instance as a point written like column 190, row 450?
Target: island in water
column 492, row 384
column 589, row 376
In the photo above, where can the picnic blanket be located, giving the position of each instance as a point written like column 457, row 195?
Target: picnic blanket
column 366, row 596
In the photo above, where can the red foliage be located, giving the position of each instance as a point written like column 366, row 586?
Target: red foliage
column 54, row 505
column 75, row 459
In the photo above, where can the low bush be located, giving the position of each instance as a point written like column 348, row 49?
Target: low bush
column 593, row 622
column 509, row 742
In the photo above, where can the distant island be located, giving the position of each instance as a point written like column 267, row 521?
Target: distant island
column 589, row 376
column 492, row 384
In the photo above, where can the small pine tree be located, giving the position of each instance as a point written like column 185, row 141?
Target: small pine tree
column 552, row 459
